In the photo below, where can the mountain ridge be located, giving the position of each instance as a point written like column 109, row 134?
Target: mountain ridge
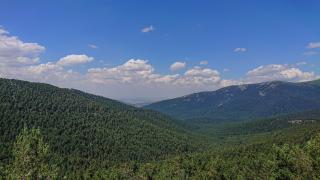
column 243, row 101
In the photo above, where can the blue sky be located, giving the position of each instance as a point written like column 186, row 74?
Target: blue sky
column 281, row 36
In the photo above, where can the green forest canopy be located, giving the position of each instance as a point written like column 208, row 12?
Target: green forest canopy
column 63, row 133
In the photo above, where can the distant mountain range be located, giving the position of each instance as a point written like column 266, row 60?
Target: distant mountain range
column 243, row 102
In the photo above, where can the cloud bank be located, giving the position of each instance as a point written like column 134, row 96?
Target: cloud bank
column 132, row 79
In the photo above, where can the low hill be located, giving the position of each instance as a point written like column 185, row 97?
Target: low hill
column 243, row 102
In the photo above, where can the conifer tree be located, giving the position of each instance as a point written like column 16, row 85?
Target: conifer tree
column 31, row 157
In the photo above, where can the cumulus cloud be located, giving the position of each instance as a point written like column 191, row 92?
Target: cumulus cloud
column 13, row 51
column 21, row 60
column 203, row 62
column 313, row 45
column 147, row 29
column 74, row 59
column 177, row 66
column 132, row 71
column 200, row 77
column 133, row 78
column 45, row 68
column 139, row 71
column 278, row 72
column 239, row 49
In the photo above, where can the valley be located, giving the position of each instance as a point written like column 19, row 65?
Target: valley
column 159, row 90
column 92, row 137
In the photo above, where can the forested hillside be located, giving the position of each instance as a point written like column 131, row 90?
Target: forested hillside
column 259, row 125
column 243, row 102
column 50, row 132
column 86, row 131
column 286, row 152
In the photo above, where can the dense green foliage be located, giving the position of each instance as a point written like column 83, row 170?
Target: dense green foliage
column 84, row 136
column 264, row 125
column 292, row 153
column 31, row 157
column 86, row 131
column 243, row 102
column 294, row 156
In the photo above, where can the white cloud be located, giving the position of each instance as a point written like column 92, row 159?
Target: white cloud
column 13, row 51
column 177, row 66
column 203, row 62
column 310, row 53
column 92, row 46
column 147, row 29
column 278, row 72
column 140, row 72
column 45, row 68
column 134, row 78
column 131, row 71
column 74, row 59
column 239, row 49
column 301, row 63
column 140, row 75
column 313, row 45
column 20, row 60
column 200, row 77
column 3, row 31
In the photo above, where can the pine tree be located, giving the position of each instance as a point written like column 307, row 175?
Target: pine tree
column 31, row 157
column 313, row 148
